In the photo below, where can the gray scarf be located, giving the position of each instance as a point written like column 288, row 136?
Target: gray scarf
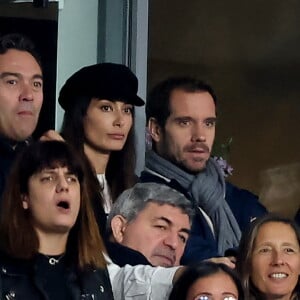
column 207, row 189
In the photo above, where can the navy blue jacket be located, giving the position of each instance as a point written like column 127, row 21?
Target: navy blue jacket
column 202, row 244
column 122, row 255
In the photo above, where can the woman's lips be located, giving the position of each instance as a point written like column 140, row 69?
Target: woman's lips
column 25, row 113
column 116, row 136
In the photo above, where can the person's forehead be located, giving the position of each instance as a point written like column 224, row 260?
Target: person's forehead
column 56, row 168
column 274, row 230
column 215, row 284
column 180, row 98
column 15, row 60
column 154, row 210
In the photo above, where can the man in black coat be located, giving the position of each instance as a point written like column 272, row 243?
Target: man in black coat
column 21, row 97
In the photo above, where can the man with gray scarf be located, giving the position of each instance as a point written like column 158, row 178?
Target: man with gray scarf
column 181, row 117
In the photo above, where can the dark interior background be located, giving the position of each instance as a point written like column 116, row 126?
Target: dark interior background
column 250, row 52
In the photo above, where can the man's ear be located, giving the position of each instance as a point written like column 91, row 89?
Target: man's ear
column 118, row 225
column 154, row 129
column 25, row 199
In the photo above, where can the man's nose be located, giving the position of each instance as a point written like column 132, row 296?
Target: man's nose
column 26, row 92
column 171, row 240
column 198, row 133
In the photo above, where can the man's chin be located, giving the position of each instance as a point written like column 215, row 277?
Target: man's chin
column 190, row 166
column 22, row 136
column 163, row 262
column 194, row 168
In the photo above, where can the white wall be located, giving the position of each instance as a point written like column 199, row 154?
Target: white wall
column 77, row 47
column 139, row 66
column 77, row 41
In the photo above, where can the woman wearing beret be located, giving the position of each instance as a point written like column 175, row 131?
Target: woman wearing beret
column 99, row 105
column 49, row 237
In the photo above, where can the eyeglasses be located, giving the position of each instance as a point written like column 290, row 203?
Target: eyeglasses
column 210, row 297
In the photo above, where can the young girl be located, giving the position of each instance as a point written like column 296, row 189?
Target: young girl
column 50, row 243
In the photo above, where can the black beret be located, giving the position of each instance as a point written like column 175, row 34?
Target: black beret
column 104, row 81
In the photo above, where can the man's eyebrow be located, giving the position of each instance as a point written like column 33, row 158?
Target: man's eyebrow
column 211, row 119
column 185, row 230
column 164, row 219
column 19, row 75
column 5, row 74
column 183, row 117
column 38, row 76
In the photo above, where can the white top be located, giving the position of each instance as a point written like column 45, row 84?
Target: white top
column 105, row 193
column 140, row 282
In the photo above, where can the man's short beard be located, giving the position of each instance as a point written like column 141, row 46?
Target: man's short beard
column 184, row 168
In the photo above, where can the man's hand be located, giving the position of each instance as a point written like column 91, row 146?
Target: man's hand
column 51, row 135
column 228, row 260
